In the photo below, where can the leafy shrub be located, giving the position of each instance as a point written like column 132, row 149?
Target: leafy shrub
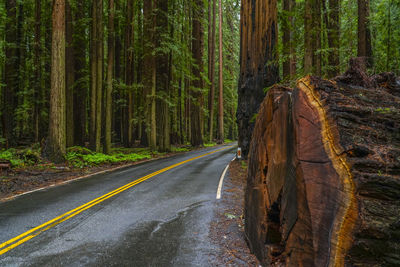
column 210, row 144
column 89, row 158
column 179, row 149
column 11, row 156
column 21, row 158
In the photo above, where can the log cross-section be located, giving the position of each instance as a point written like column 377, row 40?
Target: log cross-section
column 323, row 185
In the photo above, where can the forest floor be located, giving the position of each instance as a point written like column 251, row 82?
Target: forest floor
column 227, row 230
column 19, row 180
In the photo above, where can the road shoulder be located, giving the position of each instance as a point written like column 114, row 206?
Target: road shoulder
column 227, row 228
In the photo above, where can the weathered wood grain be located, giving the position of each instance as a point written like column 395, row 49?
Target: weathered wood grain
column 323, row 183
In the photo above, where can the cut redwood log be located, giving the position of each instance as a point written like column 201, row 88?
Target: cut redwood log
column 323, row 185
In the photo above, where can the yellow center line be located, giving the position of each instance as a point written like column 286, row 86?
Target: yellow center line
column 47, row 225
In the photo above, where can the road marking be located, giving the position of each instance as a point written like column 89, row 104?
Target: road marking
column 22, row 238
column 221, row 180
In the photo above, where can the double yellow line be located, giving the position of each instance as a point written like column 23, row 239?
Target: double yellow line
column 18, row 240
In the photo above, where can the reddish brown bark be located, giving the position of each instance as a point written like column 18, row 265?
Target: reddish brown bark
column 258, row 68
column 312, row 41
column 56, row 143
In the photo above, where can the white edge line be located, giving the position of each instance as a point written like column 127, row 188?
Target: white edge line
column 221, row 180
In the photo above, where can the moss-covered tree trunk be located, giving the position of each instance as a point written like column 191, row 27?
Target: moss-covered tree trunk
column 258, row 68
column 56, row 142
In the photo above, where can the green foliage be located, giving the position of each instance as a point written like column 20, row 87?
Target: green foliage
column 21, row 158
column 179, row 149
column 81, row 157
column 12, row 157
column 210, row 144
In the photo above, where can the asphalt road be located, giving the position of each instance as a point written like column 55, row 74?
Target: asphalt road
column 163, row 221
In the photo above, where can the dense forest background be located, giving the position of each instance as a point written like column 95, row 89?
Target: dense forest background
column 145, row 62
column 160, row 72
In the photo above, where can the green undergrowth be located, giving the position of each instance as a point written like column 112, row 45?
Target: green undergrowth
column 210, row 144
column 21, row 158
column 79, row 157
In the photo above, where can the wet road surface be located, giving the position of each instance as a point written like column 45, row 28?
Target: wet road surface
column 163, row 221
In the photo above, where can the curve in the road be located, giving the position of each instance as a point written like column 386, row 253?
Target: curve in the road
column 22, row 238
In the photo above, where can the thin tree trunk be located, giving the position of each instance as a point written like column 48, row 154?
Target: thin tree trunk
column 389, row 39
column 56, row 142
column 19, row 99
column 312, row 42
column 129, row 74
column 209, row 23
column 197, row 53
column 286, row 40
column 149, row 78
column 110, row 68
column 97, row 74
column 11, row 81
column 81, row 91
column 70, row 76
column 364, row 34
column 93, row 70
column 212, row 74
column 100, row 57
column 333, row 38
column 221, row 82
column 317, row 57
column 163, row 77
column 38, row 69
column 293, row 58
